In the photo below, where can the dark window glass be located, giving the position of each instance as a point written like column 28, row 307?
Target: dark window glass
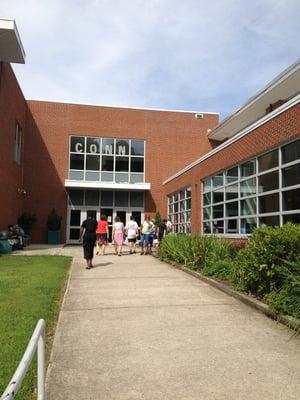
column 137, row 164
column 218, row 196
column 248, row 225
column 218, row 227
column 232, row 209
column 271, row 220
column 175, row 207
column 76, row 161
column 291, row 175
column 206, row 213
column 76, row 197
column 294, row 218
column 248, row 187
column 137, row 147
column 207, row 197
column 107, row 163
column 206, row 227
column 122, row 164
column 188, row 204
column 269, row 203
column 248, row 207
column 92, row 197
column 207, row 185
column 93, row 145
column 107, row 198
column 188, row 192
column 268, row 161
column 232, row 192
column 291, row 199
column 122, row 147
column 217, row 180
column 92, row 163
column 77, row 144
column 248, row 168
column 232, row 174
column 218, row 211
column 108, row 146
column 74, row 233
column 136, row 199
column 231, row 226
column 121, row 199
column 268, row 182
column 291, row 152
column 75, row 218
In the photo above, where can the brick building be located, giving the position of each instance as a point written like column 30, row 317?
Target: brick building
column 210, row 178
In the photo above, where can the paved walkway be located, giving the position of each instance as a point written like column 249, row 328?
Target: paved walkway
column 136, row 328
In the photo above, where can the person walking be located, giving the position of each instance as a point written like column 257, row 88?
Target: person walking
column 132, row 231
column 145, row 231
column 118, row 235
column 102, row 234
column 88, row 234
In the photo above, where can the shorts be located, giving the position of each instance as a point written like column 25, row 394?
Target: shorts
column 102, row 238
column 132, row 240
column 144, row 240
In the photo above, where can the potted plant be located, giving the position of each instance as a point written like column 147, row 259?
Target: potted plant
column 26, row 221
column 54, row 225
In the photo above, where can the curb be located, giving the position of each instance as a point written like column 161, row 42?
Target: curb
column 290, row 322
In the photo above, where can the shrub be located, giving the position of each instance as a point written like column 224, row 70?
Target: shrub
column 26, row 221
column 54, row 221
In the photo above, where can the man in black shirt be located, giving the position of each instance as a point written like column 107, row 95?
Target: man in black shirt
column 88, row 233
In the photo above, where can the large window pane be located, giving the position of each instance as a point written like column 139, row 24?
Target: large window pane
column 218, row 211
column 291, row 199
column 121, row 199
column 136, row 178
column 268, row 182
column 137, row 147
column 137, row 164
column 270, row 220
column 218, row 227
column 107, row 176
column 232, row 191
column 76, row 175
column 77, row 144
column 107, row 198
column 248, row 187
column 248, row 168
column 76, row 197
column 268, row 161
column 248, row 206
column 122, row 164
column 207, row 185
column 231, row 175
column 206, row 227
column 248, row 225
column 122, row 147
column 269, row 203
column 108, row 146
column 92, row 197
column 217, row 180
column 291, row 152
column 207, row 198
column 92, row 163
column 93, row 145
column 207, row 213
column 75, row 218
column 121, row 177
column 294, row 218
column 107, row 163
column 231, row 226
column 136, row 199
column 92, row 176
column 232, row 209
column 218, row 195
column 76, row 161
column 291, row 175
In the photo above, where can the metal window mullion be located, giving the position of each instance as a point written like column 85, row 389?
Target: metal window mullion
column 256, row 191
column 280, row 187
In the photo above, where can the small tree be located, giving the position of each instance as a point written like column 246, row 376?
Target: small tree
column 54, row 221
column 26, row 221
column 157, row 218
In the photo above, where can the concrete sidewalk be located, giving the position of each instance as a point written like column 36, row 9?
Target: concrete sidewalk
column 136, row 328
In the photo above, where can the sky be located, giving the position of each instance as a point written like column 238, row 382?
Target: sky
column 195, row 55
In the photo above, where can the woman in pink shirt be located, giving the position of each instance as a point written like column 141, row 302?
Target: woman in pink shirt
column 102, row 234
column 118, row 235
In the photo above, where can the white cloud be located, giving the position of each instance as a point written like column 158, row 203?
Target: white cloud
column 196, row 54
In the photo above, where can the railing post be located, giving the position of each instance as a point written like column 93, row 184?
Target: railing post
column 41, row 367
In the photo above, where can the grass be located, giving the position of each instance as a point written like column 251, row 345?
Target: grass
column 31, row 288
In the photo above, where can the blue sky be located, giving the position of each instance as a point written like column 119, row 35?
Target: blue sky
column 184, row 55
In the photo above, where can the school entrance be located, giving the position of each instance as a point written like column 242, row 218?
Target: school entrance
column 98, row 202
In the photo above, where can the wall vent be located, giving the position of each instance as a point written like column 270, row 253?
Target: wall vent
column 199, row 116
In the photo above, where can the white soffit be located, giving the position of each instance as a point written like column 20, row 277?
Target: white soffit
column 284, row 87
column 107, row 185
column 11, row 48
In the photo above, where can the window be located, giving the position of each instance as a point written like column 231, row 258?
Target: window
column 18, row 143
column 106, row 159
column 179, row 206
column 262, row 191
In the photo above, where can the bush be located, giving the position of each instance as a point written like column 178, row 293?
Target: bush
column 54, row 221
column 26, row 221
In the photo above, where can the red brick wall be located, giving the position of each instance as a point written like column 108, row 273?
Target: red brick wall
column 280, row 129
column 12, row 109
column 173, row 140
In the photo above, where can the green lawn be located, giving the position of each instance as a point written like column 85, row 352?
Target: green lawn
column 31, row 288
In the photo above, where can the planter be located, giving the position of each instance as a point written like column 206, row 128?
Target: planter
column 53, row 237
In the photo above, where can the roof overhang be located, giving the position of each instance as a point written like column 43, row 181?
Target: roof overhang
column 107, row 185
column 11, row 48
column 284, row 87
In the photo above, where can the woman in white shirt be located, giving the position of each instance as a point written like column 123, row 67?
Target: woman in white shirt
column 131, row 230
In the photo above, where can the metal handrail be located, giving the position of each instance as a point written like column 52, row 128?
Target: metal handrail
column 37, row 341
